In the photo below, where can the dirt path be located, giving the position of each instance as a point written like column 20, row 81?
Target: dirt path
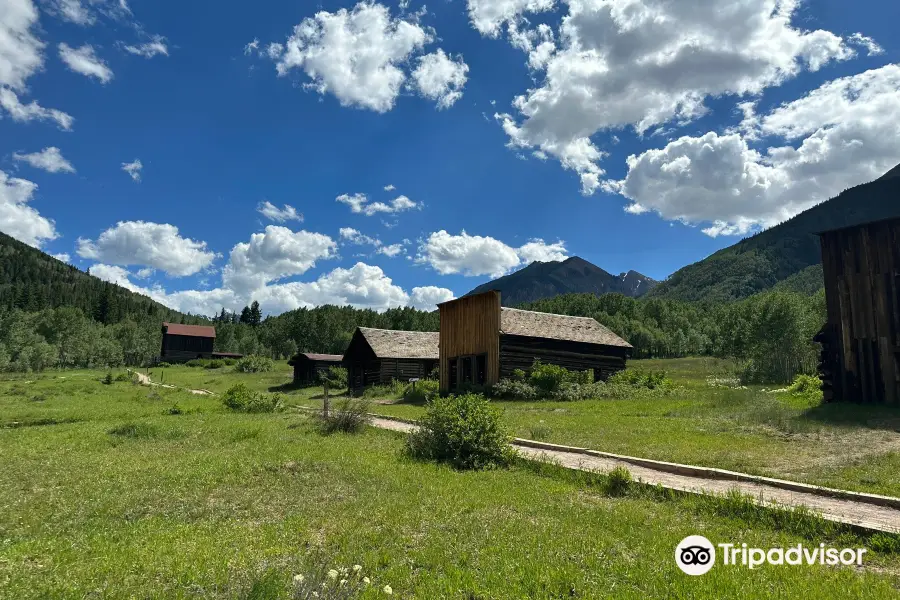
column 866, row 512
column 144, row 379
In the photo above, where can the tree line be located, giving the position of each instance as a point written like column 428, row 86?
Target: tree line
column 770, row 333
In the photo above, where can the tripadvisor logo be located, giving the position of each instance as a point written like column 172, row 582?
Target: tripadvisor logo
column 696, row 555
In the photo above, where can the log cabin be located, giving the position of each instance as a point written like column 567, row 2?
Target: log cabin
column 307, row 366
column 482, row 342
column 181, row 343
column 378, row 356
column 860, row 360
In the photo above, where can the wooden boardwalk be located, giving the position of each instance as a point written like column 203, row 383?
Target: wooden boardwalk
column 868, row 511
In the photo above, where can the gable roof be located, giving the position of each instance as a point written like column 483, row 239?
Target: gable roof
column 388, row 343
column 190, row 330
column 318, row 357
column 557, row 327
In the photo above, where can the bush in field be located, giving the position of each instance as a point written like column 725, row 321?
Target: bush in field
column 464, row 431
column 642, row 379
column 163, row 365
column 393, row 390
column 618, row 481
column 255, row 364
column 230, row 362
column 215, row 364
column 336, row 377
column 421, row 392
column 805, row 384
column 197, row 363
column 514, row 389
column 108, row 380
column 124, row 377
column 551, row 378
column 349, row 415
column 240, row 398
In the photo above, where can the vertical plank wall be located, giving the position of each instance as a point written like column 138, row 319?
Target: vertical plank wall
column 862, row 285
column 470, row 325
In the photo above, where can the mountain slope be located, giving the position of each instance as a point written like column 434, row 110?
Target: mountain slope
column 32, row 280
column 762, row 261
column 574, row 275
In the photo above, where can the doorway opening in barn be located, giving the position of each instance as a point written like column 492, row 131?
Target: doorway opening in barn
column 470, row 369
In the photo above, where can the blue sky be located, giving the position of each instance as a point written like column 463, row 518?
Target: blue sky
column 427, row 148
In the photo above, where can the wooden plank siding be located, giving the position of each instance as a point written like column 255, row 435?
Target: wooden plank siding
column 470, row 326
column 520, row 352
column 861, row 340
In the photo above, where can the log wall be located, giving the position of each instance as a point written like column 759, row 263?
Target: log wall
column 470, row 326
column 861, row 340
column 520, row 352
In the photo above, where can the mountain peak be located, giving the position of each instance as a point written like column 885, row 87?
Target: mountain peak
column 573, row 275
column 895, row 172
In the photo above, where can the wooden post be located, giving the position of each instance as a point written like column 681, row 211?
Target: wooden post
column 325, row 401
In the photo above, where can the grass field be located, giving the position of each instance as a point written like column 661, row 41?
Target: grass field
column 104, row 494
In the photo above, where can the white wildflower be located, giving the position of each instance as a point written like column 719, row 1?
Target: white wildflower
column 366, row 580
column 388, row 590
column 332, row 574
column 357, row 568
column 342, row 582
column 298, row 578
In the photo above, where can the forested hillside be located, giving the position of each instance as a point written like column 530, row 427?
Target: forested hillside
column 760, row 262
column 31, row 280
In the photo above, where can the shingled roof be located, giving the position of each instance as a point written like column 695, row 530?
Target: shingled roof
column 190, row 330
column 336, row 358
column 557, row 327
column 388, row 343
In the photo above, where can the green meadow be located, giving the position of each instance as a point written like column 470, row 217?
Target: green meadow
column 120, row 491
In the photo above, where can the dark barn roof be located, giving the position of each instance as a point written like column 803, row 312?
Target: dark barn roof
column 388, row 343
column 335, row 358
column 557, row 327
column 202, row 331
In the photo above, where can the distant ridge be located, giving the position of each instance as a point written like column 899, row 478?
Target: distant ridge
column 787, row 253
column 574, row 275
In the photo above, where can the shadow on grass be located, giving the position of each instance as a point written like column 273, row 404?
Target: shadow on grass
column 854, row 415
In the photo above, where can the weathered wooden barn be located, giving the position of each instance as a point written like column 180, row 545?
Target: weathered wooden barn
column 861, row 337
column 482, row 342
column 181, row 343
column 377, row 356
column 307, row 366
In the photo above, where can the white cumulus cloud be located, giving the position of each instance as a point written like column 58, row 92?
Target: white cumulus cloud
column 279, row 215
column 156, row 46
column 148, row 244
column 429, row 296
column 84, row 60
column 359, row 203
column 17, row 218
column 274, row 254
column 474, row 255
column 49, row 159
column 844, row 133
column 32, row 111
column 441, row 78
column 133, row 169
column 642, row 64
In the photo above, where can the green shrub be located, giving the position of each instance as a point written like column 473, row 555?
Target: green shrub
column 255, row 364
column 349, row 415
column 539, row 432
column 421, row 392
column 163, row 365
column 642, row 379
column 464, row 431
column 174, row 410
column 108, row 380
column 230, row 362
column 215, row 364
column 392, row 390
column 514, row 389
column 240, row 398
column 618, row 481
column 198, row 363
column 336, row 377
column 124, row 377
column 806, row 385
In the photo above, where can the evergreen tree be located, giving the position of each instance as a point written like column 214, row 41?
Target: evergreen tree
column 255, row 315
column 245, row 315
